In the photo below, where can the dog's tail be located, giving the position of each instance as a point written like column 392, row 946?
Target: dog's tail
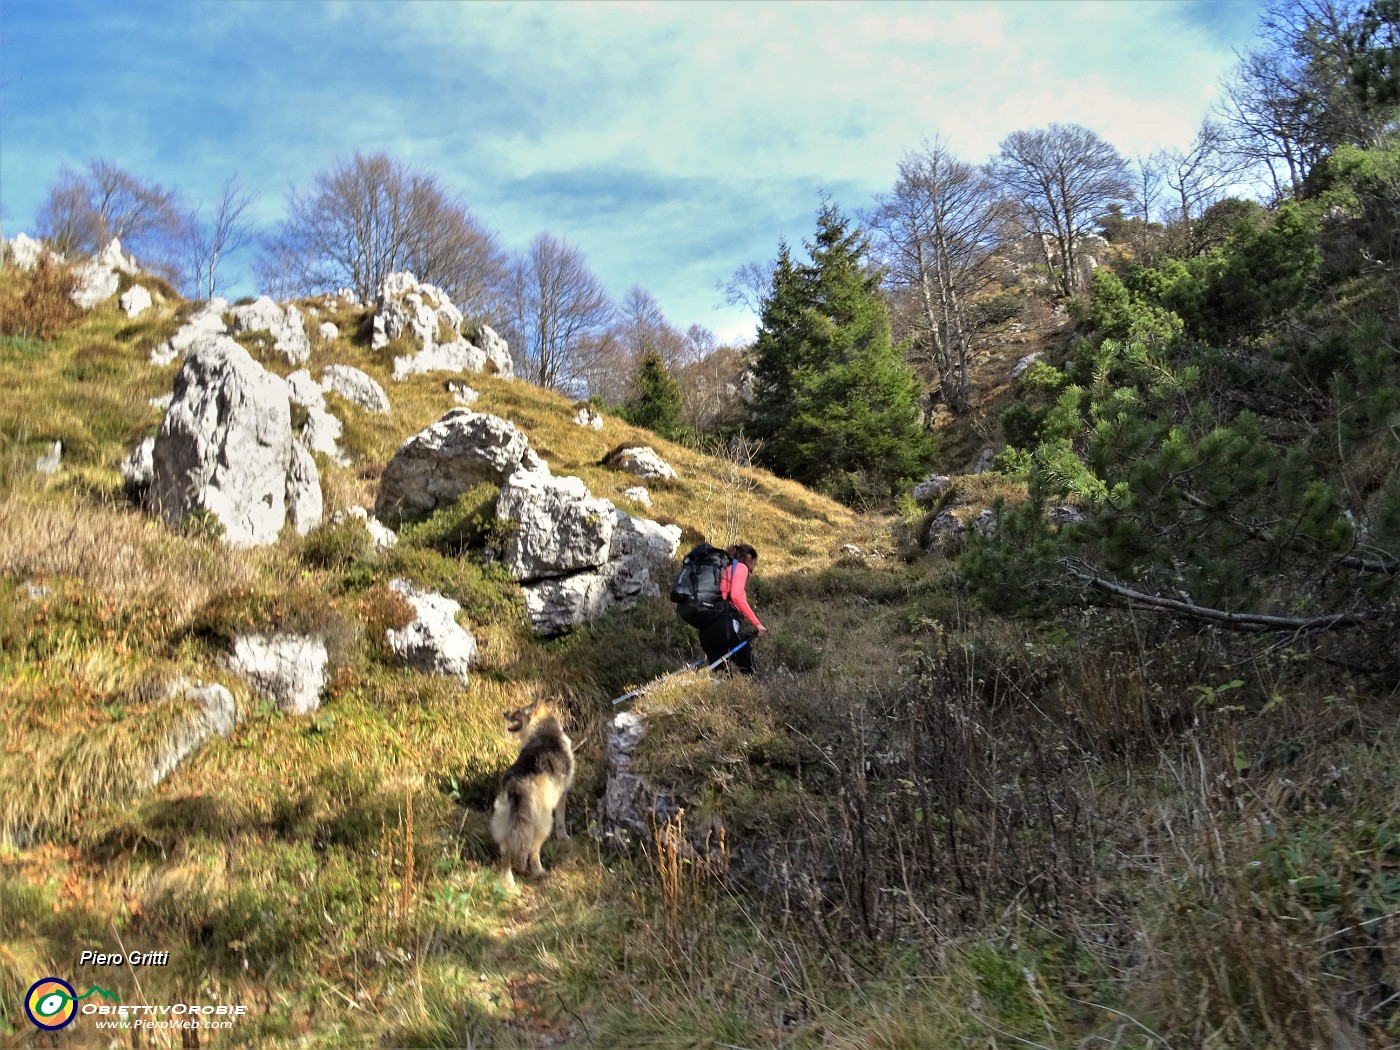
column 513, row 823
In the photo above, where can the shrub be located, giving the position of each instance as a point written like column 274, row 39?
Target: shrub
column 39, row 305
column 337, row 546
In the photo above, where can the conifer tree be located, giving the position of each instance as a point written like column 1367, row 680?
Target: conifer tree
column 656, row 399
column 836, row 406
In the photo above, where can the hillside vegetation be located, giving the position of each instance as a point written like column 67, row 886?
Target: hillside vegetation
column 1122, row 772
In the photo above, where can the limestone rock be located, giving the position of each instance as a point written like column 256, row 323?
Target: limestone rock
column 630, row 804
column 51, row 459
column 208, row 321
column 26, row 252
column 356, row 387
column 285, row 324
column 458, row 356
column 213, row 714
column 138, row 468
column 497, row 351
column 436, row 465
column 135, row 301
column 561, row 528
column 462, row 394
column 588, row 416
column 1021, row 366
column 643, row 462
column 928, row 490
column 304, row 506
column 380, row 534
column 329, row 332
column 638, row 494
column 225, row 445
column 404, row 306
column 288, row 669
column 434, row 642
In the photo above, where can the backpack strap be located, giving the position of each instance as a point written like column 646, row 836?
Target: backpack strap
column 727, row 575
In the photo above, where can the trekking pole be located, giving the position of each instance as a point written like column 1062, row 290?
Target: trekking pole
column 688, row 667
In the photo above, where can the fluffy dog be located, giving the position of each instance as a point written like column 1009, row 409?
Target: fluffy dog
column 533, row 791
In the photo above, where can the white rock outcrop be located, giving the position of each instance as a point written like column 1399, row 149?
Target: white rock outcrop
column 577, row 556
column 356, row 387
column 381, row 536
column 931, row 488
column 423, row 312
column 436, row 465
column 287, row 669
column 561, row 527
column 225, row 447
column 434, row 642
column 207, row 321
column 212, row 713
column 135, row 301
column 304, row 503
column 26, row 252
column 51, row 459
column 638, row 494
column 285, row 324
column 139, row 465
column 327, row 331
column 588, row 416
column 643, row 462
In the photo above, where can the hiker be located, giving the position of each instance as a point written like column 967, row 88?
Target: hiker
column 722, row 633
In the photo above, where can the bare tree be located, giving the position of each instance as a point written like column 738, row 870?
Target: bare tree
column 558, row 309
column 209, row 243
column 747, row 286
column 86, row 209
column 369, row 216
column 1291, row 101
column 936, row 233
column 1064, row 176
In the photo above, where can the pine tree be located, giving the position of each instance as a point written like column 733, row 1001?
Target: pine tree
column 656, row 399
column 835, row 405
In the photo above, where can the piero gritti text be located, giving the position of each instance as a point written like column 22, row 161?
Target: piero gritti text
column 124, row 958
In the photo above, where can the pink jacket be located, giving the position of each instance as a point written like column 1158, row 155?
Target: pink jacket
column 732, row 583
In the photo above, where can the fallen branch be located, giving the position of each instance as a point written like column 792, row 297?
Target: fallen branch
column 1241, row 621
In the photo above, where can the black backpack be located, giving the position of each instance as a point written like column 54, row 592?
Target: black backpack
column 696, row 591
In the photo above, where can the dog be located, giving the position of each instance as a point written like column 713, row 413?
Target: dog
column 533, row 791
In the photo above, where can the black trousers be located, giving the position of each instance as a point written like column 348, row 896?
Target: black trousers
column 722, row 634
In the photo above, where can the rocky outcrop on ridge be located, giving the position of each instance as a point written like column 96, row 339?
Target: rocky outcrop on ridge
column 423, row 312
column 225, row 447
column 284, row 324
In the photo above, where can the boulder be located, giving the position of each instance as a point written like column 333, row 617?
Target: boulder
column 303, row 491
column 329, row 332
column 587, row 416
column 286, row 326
column 1021, row 366
column 51, row 459
column 643, row 462
column 462, row 394
column 561, row 529
column 638, row 494
column 931, row 488
column 497, row 351
column 225, row 445
column 436, row 465
column 404, row 306
column 356, row 387
column 138, row 467
column 434, row 642
column 458, row 356
column 99, row 278
column 287, row 669
column 26, row 252
column 213, row 713
column 630, row 805
column 380, row 534
column 639, row 553
column 303, row 390
column 208, row 321
column 135, row 301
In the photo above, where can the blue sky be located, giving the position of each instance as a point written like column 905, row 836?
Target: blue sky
column 672, row 142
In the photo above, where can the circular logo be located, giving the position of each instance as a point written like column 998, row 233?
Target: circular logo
column 51, row 1004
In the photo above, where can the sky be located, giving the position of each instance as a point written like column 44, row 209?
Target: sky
column 672, row 142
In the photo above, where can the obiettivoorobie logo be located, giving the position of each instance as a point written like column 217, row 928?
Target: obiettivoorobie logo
column 52, row 1003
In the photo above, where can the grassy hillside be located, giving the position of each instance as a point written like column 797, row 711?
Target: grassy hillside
column 928, row 825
